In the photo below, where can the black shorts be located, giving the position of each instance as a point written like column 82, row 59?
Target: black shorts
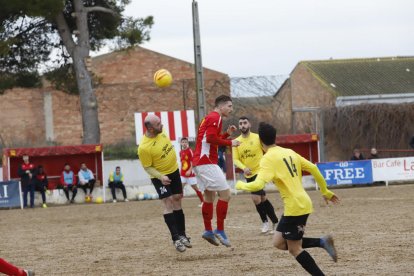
column 175, row 188
column 261, row 192
column 292, row 227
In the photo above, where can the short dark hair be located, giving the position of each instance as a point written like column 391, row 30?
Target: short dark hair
column 117, row 167
column 244, row 118
column 267, row 133
column 222, row 99
column 184, row 138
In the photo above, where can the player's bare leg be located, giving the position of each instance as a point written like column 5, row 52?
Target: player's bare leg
column 199, row 193
column 295, row 248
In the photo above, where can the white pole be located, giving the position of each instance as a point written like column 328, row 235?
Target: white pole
column 20, row 193
column 8, row 168
column 103, row 175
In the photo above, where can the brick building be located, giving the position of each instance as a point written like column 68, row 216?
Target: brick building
column 314, row 85
column 30, row 117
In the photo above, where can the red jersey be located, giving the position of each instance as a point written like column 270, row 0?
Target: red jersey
column 209, row 137
column 186, row 157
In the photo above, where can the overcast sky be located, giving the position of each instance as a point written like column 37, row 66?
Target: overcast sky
column 269, row 37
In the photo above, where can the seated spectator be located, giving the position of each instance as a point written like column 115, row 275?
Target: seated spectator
column 26, row 171
column 412, row 142
column 86, row 180
column 68, row 182
column 40, row 181
column 116, row 180
column 357, row 155
column 373, row 154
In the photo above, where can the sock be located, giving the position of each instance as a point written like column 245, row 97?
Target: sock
column 9, row 269
column 172, row 225
column 221, row 212
column 200, row 195
column 311, row 242
column 270, row 211
column 207, row 211
column 262, row 212
column 308, row 263
column 180, row 220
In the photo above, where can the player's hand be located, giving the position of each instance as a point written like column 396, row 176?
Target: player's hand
column 334, row 199
column 239, row 185
column 231, row 129
column 188, row 173
column 165, row 180
column 235, row 143
column 247, row 171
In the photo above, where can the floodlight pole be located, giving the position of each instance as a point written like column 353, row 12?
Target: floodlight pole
column 201, row 98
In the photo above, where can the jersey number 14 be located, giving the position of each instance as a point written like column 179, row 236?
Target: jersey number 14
column 291, row 167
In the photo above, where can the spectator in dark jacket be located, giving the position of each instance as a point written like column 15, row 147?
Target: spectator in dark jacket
column 26, row 172
column 412, row 142
column 357, row 155
column 40, row 181
column 373, row 154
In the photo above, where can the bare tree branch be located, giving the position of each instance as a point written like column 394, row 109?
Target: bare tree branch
column 100, row 9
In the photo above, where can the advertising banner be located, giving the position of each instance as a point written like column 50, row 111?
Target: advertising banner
column 393, row 169
column 9, row 194
column 347, row 172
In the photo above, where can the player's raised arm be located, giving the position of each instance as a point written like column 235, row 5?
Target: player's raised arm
column 320, row 180
column 265, row 175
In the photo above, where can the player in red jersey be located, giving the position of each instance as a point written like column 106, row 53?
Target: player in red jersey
column 9, row 269
column 186, row 172
column 209, row 175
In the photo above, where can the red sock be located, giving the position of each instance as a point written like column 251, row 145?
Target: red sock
column 200, row 195
column 207, row 211
column 10, row 269
column 221, row 211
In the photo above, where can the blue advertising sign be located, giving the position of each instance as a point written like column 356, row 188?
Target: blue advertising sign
column 347, row 172
column 9, row 194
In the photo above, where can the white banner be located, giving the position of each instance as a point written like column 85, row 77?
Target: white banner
column 393, row 169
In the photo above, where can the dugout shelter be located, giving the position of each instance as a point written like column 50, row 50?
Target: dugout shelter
column 53, row 160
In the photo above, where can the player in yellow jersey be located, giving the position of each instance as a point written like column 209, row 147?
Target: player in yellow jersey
column 247, row 157
column 284, row 168
column 158, row 157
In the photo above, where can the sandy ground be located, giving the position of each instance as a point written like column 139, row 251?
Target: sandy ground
column 373, row 229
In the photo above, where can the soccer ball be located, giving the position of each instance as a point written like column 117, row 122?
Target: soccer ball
column 154, row 196
column 140, row 196
column 99, row 200
column 162, row 78
column 88, row 199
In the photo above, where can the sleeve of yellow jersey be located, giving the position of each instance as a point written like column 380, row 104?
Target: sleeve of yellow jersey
column 236, row 159
column 265, row 175
column 313, row 169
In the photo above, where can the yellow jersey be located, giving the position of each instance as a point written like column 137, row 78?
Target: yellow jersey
column 158, row 152
column 248, row 154
column 284, row 168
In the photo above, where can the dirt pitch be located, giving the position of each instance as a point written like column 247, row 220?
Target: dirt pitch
column 373, row 229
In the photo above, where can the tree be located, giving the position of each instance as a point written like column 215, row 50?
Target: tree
column 34, row 33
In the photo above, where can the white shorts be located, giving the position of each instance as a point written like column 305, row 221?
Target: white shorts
column 192, row 180
column 210, row 177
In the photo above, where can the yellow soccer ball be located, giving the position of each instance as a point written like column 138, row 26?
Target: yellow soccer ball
column 99, row 200
column 88, row 199
column 163, row 78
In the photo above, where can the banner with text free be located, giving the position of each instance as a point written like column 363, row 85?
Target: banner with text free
column 9, row 194
column 347, row 172
column 393, row 169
